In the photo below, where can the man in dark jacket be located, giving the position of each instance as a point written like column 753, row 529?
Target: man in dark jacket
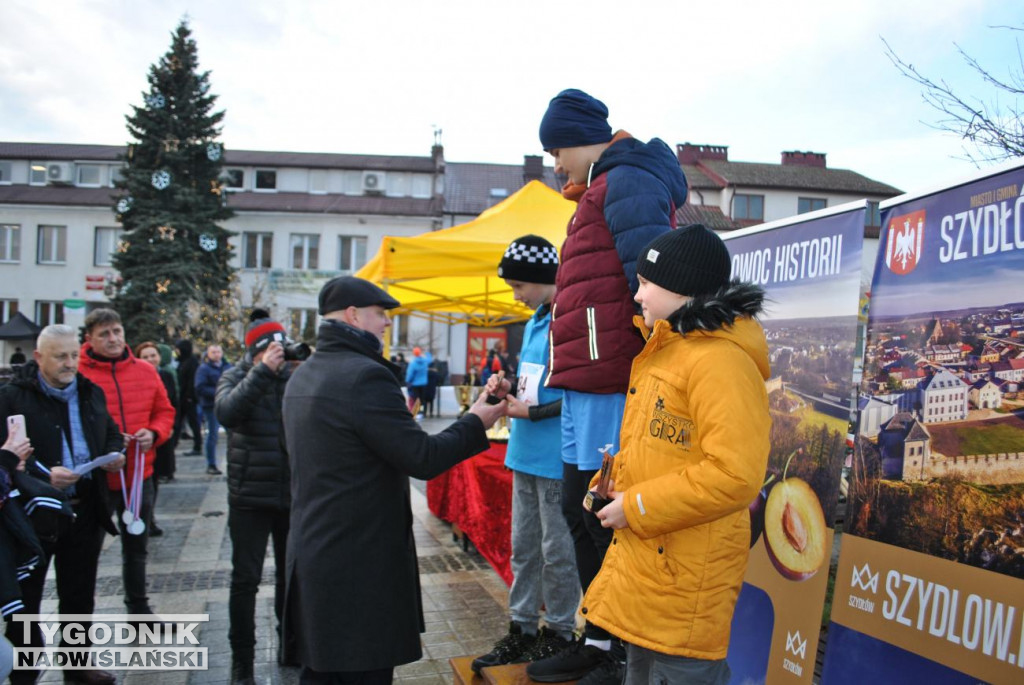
column 207, row 378
column 353, row 602
column 187, row 366
column 627, row 192
column 248, row 404
column 67, row 421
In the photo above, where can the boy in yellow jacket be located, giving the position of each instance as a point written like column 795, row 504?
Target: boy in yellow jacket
column 694, row 446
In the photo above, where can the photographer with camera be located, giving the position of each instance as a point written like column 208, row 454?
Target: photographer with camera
column 248, row 404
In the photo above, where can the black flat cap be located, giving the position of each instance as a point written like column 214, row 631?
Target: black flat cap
column 348, row 291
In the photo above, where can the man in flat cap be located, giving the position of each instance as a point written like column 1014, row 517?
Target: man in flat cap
column 353, row 609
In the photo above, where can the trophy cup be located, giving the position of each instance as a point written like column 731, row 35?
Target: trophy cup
column 597, row 498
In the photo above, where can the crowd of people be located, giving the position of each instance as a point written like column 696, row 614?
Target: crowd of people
column 86, row 395
column 629, row 542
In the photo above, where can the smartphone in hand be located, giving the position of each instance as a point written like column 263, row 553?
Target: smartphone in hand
column 16, row 426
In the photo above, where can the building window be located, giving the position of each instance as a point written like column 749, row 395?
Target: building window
column 10, row 243
column 810, row 204
column 874, row 216
column 303, row 324
column 400, row 330
column 5, row 173
column 8, row 308
column 318, row 181
column 234, row 178
column 89, row 175
column 49, row 312
column 305, row 249
column 37, row 174
column 105, row 244
column 116, row 174
column 266, row 179
column 256, row 250
column 52, row 244
column 749, row 207
column 351, row 252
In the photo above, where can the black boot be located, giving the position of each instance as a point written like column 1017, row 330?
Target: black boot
column 241, row 670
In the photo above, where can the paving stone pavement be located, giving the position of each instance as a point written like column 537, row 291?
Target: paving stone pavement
column 465, row 602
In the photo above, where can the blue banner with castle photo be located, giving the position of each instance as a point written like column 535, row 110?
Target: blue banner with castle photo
column 810, row 268
column 931, row 571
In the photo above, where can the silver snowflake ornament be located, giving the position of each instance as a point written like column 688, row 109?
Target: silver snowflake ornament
column 156, row 101
column 161, row 179
column 124, row 204
column 208, row 242
column 213, row 152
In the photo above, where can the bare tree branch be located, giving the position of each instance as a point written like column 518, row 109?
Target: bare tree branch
column 993, row 127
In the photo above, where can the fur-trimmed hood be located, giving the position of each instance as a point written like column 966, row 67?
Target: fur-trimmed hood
column 718, row 310
column 728, row 314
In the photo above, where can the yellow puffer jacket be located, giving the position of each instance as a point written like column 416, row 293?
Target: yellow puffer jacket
column 694, row 446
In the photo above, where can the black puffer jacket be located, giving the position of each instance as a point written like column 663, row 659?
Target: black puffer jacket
column 248, row 404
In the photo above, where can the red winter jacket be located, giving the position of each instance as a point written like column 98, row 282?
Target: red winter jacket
column 631, row 198
column 136, row 399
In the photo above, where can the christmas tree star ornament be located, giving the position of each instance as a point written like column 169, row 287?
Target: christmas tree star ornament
column 215, row 188
column 161, row 179
column 161, row 286
column 122, row 246
column 167, row 232
column 171, row 144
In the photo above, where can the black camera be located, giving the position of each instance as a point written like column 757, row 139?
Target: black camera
column 296, row 351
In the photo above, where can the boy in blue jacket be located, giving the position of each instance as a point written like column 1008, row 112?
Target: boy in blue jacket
column 543, row 561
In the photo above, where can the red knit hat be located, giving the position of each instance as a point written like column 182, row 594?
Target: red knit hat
column 261, row 333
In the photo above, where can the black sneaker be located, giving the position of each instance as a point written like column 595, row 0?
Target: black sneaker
column 508, row 650
column 609, row 672
column 548, row 644
column 213, row 471
column 572, row 663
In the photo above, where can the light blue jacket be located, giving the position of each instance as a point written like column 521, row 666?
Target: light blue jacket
column 535, row 447
column 416, row 372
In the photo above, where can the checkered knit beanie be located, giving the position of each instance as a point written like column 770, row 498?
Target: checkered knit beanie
column 691, row 260
column 530, row 259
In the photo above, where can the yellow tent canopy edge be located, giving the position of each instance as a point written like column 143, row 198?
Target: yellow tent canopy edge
column 451, row 275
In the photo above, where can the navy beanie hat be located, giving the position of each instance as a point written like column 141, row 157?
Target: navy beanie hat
column 574, row 119
column 530, row 259
column 691, row 260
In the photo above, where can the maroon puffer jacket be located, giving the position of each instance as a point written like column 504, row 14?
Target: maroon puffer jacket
column 593, row 340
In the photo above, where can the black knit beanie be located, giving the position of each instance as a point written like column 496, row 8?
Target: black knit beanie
column 690, row 260
column 530, row 259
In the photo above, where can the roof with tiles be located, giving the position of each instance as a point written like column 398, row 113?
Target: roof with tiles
column 793, row 177
column 71, row 196
column 313, row 160
column 711, row 217
column 471, row 187
column 707, row 167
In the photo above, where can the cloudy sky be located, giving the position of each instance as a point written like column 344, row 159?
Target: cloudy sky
column 377, row 77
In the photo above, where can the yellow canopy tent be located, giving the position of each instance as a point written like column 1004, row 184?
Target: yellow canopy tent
column 451, row 275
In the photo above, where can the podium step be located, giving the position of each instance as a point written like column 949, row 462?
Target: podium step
column 462, row 671
column 511, row 674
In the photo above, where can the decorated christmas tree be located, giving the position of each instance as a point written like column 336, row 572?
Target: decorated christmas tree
column 173, row 258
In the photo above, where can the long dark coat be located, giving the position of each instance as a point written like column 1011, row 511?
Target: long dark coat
column 353, row 597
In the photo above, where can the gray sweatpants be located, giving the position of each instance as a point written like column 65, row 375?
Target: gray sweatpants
column 647, row 667
column 543, row 558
